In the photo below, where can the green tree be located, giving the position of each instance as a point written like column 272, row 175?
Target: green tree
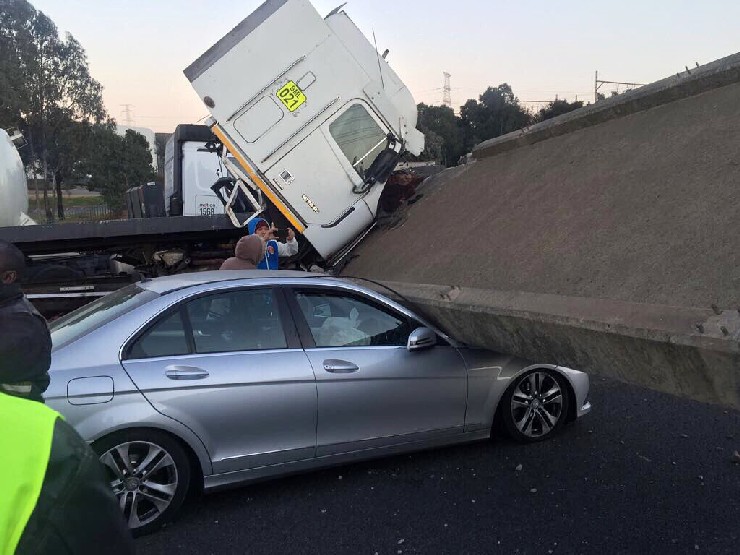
column 443, row 133
column 16, row 53
column 496, row 113
column 137, row 166
column 114, row 163
column 557, row 108
column 51, row 95
column 433, row 145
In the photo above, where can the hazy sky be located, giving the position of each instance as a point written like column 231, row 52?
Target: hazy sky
column 137, row 49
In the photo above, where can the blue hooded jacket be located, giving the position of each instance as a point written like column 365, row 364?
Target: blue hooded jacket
column 270, row 262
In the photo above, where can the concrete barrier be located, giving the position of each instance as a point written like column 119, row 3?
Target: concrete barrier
column 691, row 82
column 689, row 352
column 622, row 227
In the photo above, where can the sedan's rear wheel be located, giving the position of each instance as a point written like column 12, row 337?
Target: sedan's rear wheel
column 149, row 474
column 536, row 405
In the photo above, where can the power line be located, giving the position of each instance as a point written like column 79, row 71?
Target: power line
column 599, row 82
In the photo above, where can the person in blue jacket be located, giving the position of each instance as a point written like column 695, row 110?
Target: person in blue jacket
column 273, row 248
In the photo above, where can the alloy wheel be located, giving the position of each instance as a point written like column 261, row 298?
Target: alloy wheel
column 144, row 478
column 537, row 404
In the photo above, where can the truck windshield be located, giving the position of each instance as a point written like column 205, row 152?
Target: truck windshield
column 82, row 321
column 358, row 136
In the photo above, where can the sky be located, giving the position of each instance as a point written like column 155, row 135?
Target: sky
column 137, row 49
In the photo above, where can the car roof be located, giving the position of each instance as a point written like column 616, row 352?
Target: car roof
column 165, row 284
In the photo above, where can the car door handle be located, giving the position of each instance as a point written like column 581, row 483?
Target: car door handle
column 336, row 366
column 177, row 372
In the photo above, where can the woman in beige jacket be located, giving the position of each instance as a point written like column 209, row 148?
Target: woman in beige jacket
column 249, row 252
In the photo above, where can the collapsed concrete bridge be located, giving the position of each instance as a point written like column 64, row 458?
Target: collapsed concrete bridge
column 607, row 239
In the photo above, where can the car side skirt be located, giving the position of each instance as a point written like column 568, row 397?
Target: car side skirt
column 216, row 482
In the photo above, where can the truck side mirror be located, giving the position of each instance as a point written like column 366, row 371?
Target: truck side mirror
column 379, row 170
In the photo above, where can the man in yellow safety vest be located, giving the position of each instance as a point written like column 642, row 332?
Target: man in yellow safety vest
column 53, row 494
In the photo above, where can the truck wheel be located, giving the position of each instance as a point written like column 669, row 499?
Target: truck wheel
column 149, row 473
column 535, row 406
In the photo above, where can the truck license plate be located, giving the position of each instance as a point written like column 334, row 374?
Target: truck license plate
column 291, row 96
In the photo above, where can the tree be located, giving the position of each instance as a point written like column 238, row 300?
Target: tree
column 471, row 114
column 557, row 108
column 496, row 113
column 433, row 146
column 114, row 163
column 443, row 134
column 51, row 94
column 136, row 160
column 160, row 148
column 16, row 52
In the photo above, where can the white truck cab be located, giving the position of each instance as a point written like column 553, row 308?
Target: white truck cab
column 315, row 117
column 190, row 169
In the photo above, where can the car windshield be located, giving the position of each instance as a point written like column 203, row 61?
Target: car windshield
column 74, row 325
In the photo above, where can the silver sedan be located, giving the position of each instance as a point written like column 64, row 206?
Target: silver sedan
column 217, row 378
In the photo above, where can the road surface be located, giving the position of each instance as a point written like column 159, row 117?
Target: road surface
column 644, row 472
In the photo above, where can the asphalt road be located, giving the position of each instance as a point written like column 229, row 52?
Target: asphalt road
column 643, row 473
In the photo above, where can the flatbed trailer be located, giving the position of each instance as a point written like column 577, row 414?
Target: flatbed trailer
column 71, row 264
column 114, row 234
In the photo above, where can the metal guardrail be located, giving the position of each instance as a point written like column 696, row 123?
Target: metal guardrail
column 88, row 213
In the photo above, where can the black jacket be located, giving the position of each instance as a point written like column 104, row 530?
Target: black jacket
column 76, row 512
column 25, row 346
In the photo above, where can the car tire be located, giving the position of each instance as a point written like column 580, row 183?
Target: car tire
column 149, row 473
column 535, row 405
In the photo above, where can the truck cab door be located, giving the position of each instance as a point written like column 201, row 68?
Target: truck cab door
column 317, row 176
column 200, row 170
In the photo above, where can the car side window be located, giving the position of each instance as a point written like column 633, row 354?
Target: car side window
column 165, row 338
column 338, row 320
column 241, row 320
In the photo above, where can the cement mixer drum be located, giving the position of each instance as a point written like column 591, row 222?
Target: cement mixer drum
column 13, row 190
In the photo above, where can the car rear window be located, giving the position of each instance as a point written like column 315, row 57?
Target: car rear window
column 82, row 321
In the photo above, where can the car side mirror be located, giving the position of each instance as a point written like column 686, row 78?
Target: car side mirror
column 420, row 339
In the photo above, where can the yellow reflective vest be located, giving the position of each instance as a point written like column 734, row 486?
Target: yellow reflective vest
column 26, row 433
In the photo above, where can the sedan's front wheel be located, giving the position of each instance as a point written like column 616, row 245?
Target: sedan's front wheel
column 149, row 474
column 536, row 405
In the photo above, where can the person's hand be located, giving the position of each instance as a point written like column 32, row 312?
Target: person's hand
column 273, row 231
column 291, row 234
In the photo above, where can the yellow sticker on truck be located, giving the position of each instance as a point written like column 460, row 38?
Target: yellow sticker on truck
column 291, row 96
